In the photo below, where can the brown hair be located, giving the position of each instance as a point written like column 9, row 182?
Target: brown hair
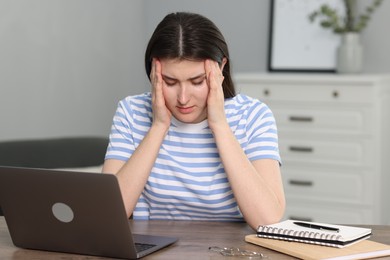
column 190, row 36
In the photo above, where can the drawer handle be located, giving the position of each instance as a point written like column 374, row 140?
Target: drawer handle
column 301, row 119
column 301, row 218
column 301, row 183
column 301, row 149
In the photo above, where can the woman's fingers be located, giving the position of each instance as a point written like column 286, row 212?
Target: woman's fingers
column 160, row 111
column 158, row 79
column 214, row 74
column 215, row 100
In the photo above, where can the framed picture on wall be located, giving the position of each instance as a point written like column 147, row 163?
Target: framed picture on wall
column 295, row 43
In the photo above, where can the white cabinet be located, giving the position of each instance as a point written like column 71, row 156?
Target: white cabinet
column 334, row 140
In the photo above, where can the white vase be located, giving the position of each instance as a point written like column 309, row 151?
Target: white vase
column 349, row 54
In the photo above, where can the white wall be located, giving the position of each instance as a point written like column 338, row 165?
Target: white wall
column 376, row 39
column 64, row 64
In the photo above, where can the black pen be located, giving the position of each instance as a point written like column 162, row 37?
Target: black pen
column 320, row 227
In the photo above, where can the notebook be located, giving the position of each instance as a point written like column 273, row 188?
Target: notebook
column 72, row 212
column 314, row 233
column 362, row 250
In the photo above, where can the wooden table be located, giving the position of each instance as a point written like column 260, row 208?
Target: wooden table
column 194, row 240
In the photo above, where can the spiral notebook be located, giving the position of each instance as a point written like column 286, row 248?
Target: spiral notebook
column 314, row 233
column 363, row 250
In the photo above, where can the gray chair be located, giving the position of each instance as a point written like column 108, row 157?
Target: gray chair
column 70, row 152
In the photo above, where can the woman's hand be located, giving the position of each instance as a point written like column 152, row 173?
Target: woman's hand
column 215, row 102
column 161, row 114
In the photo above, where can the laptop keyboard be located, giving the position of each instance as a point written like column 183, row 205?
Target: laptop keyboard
column 142, row 247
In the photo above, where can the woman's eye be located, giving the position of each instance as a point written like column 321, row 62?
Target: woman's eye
column 170, row 83
column 198, row 83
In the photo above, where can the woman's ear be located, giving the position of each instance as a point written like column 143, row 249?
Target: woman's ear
column 224, row 61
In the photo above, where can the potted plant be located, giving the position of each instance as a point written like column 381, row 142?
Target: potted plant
column 349, row 26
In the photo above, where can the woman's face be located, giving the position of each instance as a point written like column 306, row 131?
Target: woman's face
column 185, row 89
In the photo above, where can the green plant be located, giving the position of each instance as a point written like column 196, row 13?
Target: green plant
column 350, row 22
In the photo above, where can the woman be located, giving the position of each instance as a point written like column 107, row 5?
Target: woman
column 192, row 148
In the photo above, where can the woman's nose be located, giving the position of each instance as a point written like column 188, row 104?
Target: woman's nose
column 183, row 95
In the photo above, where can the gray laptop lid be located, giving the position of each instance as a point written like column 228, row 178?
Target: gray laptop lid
column 74, row 212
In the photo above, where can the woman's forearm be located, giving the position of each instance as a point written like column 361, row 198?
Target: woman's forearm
column 134, row 174
column 256, row 186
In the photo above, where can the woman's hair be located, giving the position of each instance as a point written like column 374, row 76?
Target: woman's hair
column 190, row 36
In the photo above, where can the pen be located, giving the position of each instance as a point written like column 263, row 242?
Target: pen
column 320, row 227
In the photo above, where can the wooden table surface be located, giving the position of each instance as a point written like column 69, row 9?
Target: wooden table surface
column 195, row 238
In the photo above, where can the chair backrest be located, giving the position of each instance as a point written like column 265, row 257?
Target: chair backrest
column 70, row 152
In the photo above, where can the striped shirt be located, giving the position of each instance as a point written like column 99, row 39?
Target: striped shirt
column 188, row 180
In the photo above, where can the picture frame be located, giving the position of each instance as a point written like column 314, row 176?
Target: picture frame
column 296, row 44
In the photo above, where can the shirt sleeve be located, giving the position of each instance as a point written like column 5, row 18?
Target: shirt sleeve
column 261, row 133
column 121, row 142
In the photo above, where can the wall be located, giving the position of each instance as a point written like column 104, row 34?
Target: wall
column 64, row 64
column 376, row 40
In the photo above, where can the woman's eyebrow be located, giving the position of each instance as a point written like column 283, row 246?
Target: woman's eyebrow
column 197, row 77
column 165, row 77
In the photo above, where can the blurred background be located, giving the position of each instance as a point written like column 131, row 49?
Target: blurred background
column 65, row 64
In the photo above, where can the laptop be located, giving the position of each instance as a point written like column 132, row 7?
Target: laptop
column 71, row 212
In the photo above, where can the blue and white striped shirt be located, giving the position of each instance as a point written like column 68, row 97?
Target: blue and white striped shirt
column 188, row 181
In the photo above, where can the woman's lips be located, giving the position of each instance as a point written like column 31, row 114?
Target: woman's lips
column 185, row 110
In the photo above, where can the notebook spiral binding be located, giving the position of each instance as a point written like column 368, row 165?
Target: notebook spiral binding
column 294, row 233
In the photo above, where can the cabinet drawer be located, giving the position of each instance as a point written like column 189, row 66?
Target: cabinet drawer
column 336, row 215
column 313, row 93
column 324, row 120
column 357, row 152
column 327, row 185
